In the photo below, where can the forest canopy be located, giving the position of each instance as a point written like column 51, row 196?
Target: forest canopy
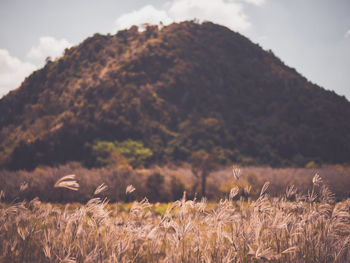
column 170, row 92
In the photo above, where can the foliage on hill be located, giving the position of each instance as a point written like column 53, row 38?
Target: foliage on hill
column 179, row 89
column 120, row 154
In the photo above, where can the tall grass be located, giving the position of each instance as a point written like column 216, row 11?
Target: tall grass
column 290, row 228
column 162, row 184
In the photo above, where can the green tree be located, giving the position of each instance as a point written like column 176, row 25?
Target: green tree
column 116, row 154
column 134, row 152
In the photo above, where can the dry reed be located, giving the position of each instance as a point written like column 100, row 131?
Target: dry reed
column 310, row 228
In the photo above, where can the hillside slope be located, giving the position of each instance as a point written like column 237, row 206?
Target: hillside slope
column 178, row 89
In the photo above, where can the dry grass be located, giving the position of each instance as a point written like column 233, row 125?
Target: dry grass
column 336, row 177
column 162, row 184
column 290, row 228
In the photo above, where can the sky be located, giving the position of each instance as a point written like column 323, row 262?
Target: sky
column 312, row 36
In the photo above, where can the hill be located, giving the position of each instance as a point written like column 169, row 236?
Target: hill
column 178, row 89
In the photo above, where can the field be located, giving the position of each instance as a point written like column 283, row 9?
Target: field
column 165, row 183
column 241, row 227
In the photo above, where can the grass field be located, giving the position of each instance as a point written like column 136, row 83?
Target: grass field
column 290, row 228
column 164, row 183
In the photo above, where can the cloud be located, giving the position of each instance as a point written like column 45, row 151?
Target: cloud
column 347, row 34
column 147, row 14
column 12, row 71
column 255, row 2
column 229, row 13
column 48, row 46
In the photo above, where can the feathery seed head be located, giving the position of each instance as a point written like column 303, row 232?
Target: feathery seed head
column 68, row 182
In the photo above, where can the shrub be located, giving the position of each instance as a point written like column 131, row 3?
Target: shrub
column 117, row 154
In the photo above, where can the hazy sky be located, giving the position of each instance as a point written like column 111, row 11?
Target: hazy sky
column 313, row 36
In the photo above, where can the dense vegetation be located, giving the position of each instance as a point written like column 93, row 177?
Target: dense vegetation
column 164, row 183
column 180, row 89
column 291, row 228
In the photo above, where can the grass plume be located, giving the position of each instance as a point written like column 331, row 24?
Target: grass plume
column 272, row 229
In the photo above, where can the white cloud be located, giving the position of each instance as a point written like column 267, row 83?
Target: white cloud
column 229, row 13
column 255, row 2
column 48, row 46
column 347, row 34
column 12, row 71
column 147, row 14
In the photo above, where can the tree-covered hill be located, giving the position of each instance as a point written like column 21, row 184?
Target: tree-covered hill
column 178, row 89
